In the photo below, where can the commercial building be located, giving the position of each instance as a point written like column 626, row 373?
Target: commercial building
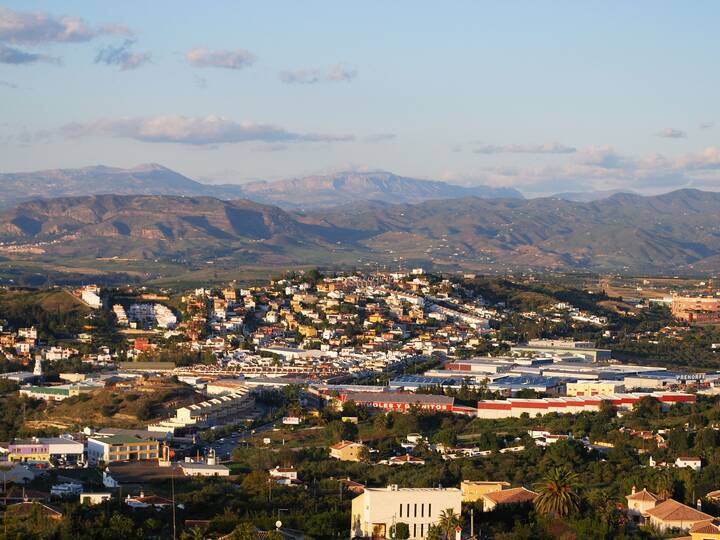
column 204, row 469
column 50, row 393
column 114, row 448
column 376, row 510
column 45, row 449
column 696, row 309
column 559, row 346
column 393, row 401
column 594, row 388
column 515, row 407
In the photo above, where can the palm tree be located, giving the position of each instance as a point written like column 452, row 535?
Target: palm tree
column 556, row 493
column 448, row 521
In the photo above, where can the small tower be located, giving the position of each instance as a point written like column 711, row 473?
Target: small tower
column 211, row 460
column 37, row 370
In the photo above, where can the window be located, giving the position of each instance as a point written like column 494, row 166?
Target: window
column 400, row 509
column 407, row 514
column 422, row 513
column 414, row 530
column 422, row 529
column 415, row 510
column 429, row 509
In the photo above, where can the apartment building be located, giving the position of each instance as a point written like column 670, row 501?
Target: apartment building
column 114, row 448
column 214, row 411
column 376, row 510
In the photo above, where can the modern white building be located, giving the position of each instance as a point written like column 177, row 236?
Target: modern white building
column 376, row 510
column 112, row 448
column 215, row 411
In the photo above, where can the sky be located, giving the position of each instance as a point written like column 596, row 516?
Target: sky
column 543, row 96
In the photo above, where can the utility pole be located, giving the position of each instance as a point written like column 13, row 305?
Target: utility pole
column 472, row 522
column 172, row 487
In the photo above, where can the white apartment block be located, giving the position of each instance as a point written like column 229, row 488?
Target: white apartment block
column 90, row 295
column 120, row 315
column 376, row 510
column 215, row 411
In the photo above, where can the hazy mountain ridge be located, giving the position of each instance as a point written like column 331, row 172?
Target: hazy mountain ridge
column 349, row 187
column 308, row 192
column 676, row 231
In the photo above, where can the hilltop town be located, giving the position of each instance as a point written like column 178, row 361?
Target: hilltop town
column 403, row 405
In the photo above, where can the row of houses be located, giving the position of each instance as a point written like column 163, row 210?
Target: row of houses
column 214, row 411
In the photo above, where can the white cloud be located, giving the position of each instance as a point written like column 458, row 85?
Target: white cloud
column 200, row 131
column 336, row 73
column 11, row 55
column 602, row 168
column 707, row 125
column 236, row 59
column 35, row 28
column 671, row 133
column 122, row 56
column 548, row 148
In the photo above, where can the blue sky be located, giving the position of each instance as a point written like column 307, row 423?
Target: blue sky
column 542, row 96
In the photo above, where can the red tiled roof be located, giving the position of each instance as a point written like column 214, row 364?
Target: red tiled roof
column 671, row 510
column 511, row 496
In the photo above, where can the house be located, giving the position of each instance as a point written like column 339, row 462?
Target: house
column 29, row 508
column 95, row 498
column 705, row 530
column 502, row 497
column 473, row 490
column 639, row 502
column 146, row 502
column 407, row 459
column 376, row 509
column 284, row 476
column 693, row 462
column 352, row 486
column 646, row 507
column 347, row 451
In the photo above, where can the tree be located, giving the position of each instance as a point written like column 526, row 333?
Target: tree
column 244, row 531
column 400, row 531
column 434, row 532
column 556, row 493
column 449, row 520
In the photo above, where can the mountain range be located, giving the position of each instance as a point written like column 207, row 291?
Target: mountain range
column 297, row 193
column 674, row 232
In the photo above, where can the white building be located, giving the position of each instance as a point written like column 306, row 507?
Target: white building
column 91, row 296
column 95, row 498
column 204, row 469
column 376, row 509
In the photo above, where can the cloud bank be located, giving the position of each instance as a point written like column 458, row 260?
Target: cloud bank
column 603, row 168
column 204, row 58
column 549, row 148
column 336, row 73
column 197, row 131
column 11, row 55
column 36, row 28
column 122, row 56
column 671, row 133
